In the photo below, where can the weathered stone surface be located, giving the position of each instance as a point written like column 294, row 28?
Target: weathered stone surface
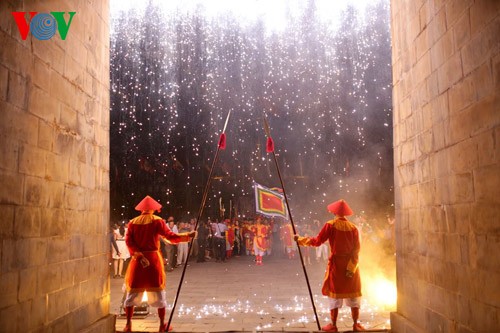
column 487, row 184
column 27, row 284
column 4, row 77
column 32, row 160
column 11, row 191
column 8, row 289
column 43, row 105
column 455, row 231
column 49, row 103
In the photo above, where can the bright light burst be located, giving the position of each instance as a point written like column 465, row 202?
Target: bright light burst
column 381, row 291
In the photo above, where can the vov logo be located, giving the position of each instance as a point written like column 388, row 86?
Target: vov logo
column 43, row 26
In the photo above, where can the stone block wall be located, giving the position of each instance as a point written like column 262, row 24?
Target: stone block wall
column 54, row 193
column 446, row 76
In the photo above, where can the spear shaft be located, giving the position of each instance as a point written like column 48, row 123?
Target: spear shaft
column 220, row 145
column 268, row 133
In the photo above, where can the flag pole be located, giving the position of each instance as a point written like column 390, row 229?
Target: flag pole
column 270, row 149
column 220, row 145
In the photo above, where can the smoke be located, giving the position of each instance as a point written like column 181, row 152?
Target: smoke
column 378, row 263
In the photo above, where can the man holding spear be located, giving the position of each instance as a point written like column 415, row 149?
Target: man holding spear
column 342, row 280
column 145, row 272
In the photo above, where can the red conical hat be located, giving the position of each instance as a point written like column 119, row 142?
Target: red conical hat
column 340, row 208
column 148, row 203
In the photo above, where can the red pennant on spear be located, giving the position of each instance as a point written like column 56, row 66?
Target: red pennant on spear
column 270, row 142
column 222, row 141
column 269, row 145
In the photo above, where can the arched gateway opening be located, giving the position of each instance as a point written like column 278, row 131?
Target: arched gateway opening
column 321, row 73
column 55, row 170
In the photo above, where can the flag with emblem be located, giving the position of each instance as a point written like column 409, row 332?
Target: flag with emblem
column 269, row 202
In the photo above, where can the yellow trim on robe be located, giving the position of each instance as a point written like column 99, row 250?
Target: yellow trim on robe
column 304, row 241
column 342, row 224
column 352, row 266
column 145, row 219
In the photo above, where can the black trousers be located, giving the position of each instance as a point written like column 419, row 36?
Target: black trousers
column 201, row 250
column 220, row 248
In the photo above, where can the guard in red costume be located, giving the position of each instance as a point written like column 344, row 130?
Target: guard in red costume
column 248, row 238
column 342, row 280
column 287, row 238
column 229, row 239
column 260, row 240
column 146, row 271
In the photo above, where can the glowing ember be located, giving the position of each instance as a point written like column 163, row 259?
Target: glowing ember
column 144, row 298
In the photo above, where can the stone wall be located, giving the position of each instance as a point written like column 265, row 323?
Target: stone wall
column 446, row 75
column 54, row 193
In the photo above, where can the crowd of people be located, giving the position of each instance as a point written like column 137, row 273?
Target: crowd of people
column 219, row 240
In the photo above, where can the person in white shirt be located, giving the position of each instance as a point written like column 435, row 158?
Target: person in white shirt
column 171, row 248
column 122, row 254
column 182, row 248
column 219, row 230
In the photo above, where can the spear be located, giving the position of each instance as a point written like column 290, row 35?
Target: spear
column 270, row 149
column 221, row 145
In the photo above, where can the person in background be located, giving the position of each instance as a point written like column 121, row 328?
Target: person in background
column 171, row 249
column 322, row 251
column 146, row 272
column 237, row 239
column 289, row 245
column 209, row 248
column 182, row 248
column 219, row 238
column 202, row 241
column 229, row 238
column 114, row 247
column 260, row 240
column 248, row 236
column 342, row 278
column 195, row 248
column 122, row 254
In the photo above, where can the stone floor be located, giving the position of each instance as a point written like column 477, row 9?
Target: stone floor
column 238, row 296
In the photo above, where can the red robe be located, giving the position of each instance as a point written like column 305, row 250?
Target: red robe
column 248, row 236
column 343, row 237
column 230, row 238
column 143, row 235
column 260, row 232
column 287, row 235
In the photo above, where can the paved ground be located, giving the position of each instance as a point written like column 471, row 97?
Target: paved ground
column 239, row 296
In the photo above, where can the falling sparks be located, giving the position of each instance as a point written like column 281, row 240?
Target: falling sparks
column 323, row 82
column 297, row 314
